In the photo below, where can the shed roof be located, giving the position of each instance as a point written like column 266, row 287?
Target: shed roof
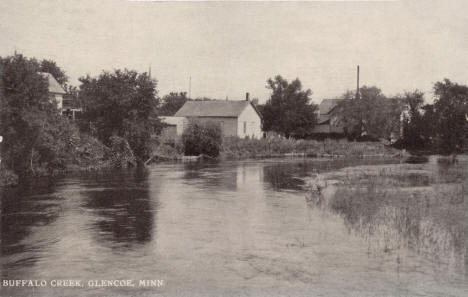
column 327, row 105
column 213, row 108
column 54, row 86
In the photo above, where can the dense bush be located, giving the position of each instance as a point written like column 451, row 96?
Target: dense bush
column 120, row 154
column 201, row 138
column 36, row 138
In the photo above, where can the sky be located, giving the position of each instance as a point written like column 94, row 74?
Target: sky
column 230, row 48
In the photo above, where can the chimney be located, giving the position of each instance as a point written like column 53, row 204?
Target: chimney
column 247, row 96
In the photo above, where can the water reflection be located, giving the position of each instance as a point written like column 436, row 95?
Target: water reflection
column 22, row 209
column 285, row 177
column 231, row 228
column 123, row 211
column 211, row 175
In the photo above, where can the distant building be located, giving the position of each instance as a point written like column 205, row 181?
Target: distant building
column 327, row 120
column 173, row 128
column 236, row 118
column 56, row 92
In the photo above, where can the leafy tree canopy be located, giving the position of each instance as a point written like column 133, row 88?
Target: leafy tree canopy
column 52, row 68
column 121, row 103
column 288, row 111
column 172, row 103
column 373, row 114
column 34, row 133
column 451, row 109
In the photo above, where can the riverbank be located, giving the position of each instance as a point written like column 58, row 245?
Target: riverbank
column 276, row 147
column 406, row 205
column 236, row 148
column 82, row 154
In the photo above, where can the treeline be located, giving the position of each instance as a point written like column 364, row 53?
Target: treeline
column 119, row 116
column 36, row 139
column 438, row 127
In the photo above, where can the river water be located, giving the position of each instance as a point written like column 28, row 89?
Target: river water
column 214, row 229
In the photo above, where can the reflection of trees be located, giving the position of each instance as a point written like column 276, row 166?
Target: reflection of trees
column 124, row 210
column 287, row 176
column 211, row 176
column 282, row 177
column 22, row 209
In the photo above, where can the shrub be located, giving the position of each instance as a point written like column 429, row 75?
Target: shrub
column 201, row 138
column 120, row 154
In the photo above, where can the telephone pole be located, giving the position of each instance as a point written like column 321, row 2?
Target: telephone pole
column 190, row 88
column 357, row 84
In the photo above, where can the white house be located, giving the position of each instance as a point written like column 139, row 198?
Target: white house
column 236, row 118
column 56, row 91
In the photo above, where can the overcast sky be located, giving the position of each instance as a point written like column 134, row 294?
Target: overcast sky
column 231, row 48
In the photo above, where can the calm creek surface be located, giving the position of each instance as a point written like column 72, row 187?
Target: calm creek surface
column 229, row 228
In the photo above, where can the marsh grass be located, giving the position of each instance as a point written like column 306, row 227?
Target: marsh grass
column 237, row 148
column 420, row 207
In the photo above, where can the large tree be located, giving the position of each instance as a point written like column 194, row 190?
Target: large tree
column 372, row 114
column 416, row 130
column 35, row 136
column 172, row 103
column 451, row 109
column 121, row 103
column 51, row 67
column 289, row 110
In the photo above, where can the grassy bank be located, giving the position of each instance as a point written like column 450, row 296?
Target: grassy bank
column 416, row 206
column 235, row 148
column 240, row 149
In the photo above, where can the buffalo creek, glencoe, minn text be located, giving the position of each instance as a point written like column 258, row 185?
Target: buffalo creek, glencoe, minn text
column 60, row 283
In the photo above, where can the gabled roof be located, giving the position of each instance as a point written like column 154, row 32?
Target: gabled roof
column 213, row 108
column 327, row 105
column 54, row 86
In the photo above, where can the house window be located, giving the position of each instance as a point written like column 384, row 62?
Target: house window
column 245, row 127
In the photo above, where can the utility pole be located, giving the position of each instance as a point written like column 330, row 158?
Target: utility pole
column 357, row 85
column 358, row 96
column 190, row 88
